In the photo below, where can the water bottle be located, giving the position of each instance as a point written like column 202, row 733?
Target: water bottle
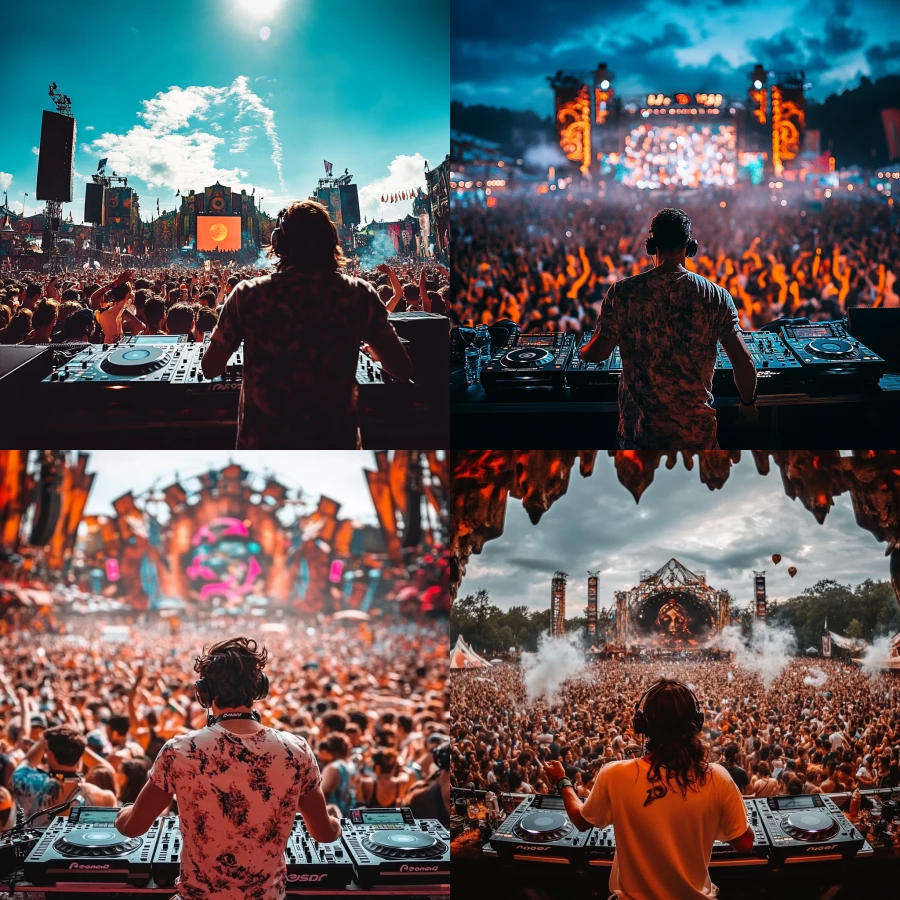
column 483, row 343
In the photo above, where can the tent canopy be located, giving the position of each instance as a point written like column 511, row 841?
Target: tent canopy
column 462, row 656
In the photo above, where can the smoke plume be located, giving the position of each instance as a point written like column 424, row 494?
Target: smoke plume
column 767, row 652
column 557, row 659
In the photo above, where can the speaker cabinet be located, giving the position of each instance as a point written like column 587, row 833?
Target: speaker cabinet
column 56, row 163
column 95, row 204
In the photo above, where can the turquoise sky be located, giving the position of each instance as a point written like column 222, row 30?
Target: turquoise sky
column 254, row 93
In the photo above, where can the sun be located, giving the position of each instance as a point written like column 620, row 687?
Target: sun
column 218, row 232
column 260, row 9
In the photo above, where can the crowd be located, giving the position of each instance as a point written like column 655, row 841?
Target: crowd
column 102, row 305
column 369, row 700
column 821, row 727
column 546, row 262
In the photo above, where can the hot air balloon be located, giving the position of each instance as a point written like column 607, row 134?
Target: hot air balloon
column 776, row 558
column 792, row 571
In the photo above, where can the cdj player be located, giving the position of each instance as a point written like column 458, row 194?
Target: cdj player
column 529, row 361
column 86, row 847
column 538, row 830
column 825, row 350
column 389, row 846
column 807, row 827
column 776, row 369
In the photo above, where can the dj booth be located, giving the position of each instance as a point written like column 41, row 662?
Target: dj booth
column 804, row 847
column 816, row 383
column 150, row 392
column 387, row 852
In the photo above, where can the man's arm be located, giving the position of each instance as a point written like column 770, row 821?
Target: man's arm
column 744, row 843
column 151, row 803
column 322, row 827
column 742, row 364
column 33, row 757
column 555, row 773
column 599, row 348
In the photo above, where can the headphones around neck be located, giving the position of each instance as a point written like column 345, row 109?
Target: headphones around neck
column 278, row 231
column 640, row 723
column 690, row 248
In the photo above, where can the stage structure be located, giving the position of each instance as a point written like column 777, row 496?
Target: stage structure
column 671, row 608
column 680, row 139
column 759, row 589
column 558, row 604
column 228, row 539
column 592, row 604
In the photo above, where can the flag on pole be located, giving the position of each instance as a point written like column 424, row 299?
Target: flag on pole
column 328, row 168
column 157, row 205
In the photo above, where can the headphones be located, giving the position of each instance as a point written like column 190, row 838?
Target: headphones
column 690, row 248
column 640, row 722
column 441, row 756
column 278, row 230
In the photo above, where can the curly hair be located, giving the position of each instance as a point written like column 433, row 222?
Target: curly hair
column 309, row 240
column 233, row 670
column 671, row 229
column 66, row 744
column 673, row 742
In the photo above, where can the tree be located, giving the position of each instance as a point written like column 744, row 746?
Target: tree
column 854, row 629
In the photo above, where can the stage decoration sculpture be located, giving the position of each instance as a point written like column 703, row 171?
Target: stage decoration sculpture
column 573, row 119
column 228, row 538
column 485, row 479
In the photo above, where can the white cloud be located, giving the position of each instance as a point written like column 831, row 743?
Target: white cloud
column 241, row 144
column 5, row 180
column 87, row 127
column 166, row 151
column 36, row 151
column 405, row 172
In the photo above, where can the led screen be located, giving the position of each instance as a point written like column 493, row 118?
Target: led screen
column 218, row 232
column 680, row 155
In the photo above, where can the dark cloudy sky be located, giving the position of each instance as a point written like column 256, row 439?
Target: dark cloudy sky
column 727, row 533
column 502, row 51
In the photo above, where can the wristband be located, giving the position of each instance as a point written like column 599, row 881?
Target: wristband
column 563, row 783
column 750, row 402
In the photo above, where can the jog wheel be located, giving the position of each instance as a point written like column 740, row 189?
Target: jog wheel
column 810, row 825
column 96, row 842
column 526, row 358
column 135, row 360
column 404, row 845
column 832, row 348
column 543, row 826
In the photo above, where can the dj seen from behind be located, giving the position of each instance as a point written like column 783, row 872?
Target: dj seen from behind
column 667, row 807
column 302, row 327
column 666, row 323
column 238, row 786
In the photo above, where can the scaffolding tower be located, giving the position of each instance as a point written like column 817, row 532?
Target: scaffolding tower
column 558, row 604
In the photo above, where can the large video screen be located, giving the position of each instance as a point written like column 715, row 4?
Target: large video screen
column 218, row 232
column 680, row 155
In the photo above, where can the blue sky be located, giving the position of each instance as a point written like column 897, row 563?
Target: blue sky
column 501, row 52
column 178, row 94
column 728, row 533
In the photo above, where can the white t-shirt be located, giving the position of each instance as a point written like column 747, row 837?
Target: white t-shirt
column 663, row 840
column 237, row 796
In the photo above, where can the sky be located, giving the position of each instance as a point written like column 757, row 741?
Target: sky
column 253, row 93
column 729, row 534
column 336, row 473
column 501, row 52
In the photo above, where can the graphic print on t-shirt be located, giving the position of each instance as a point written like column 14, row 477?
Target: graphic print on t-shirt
column 657, row 792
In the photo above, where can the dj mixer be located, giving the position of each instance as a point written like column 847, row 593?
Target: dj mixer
column 311, row 863
column 594, row 378
column 777, row 371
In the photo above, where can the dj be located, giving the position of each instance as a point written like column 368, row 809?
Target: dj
column 667, row 807
column 238, row 785
column 666, row 323
column 302, row 329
